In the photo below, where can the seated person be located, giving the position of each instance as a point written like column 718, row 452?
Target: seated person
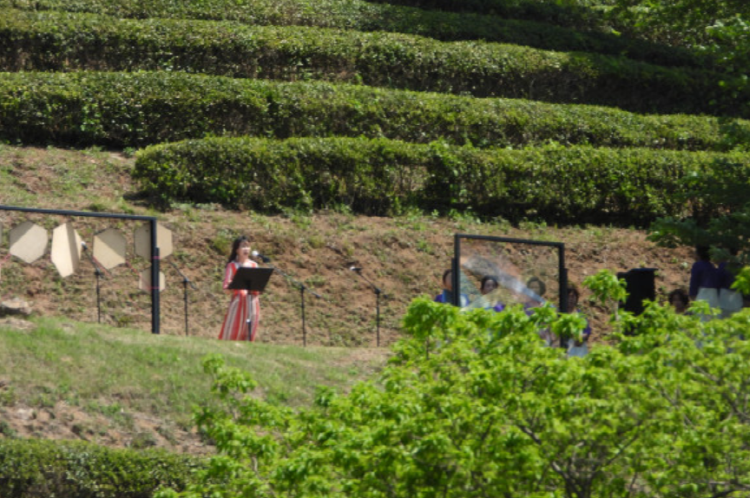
column 538, row 289
column 679, row 300
column 577, row 348
column 487, row 286
column 446, row 296
column 730, row 301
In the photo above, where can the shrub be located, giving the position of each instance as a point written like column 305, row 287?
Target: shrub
column 382, row 176
column 365, row 16
column 74, row 469
column 61, row 41
column 136, row 109
column 472, row 404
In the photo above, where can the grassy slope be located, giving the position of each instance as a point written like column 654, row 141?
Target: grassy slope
column 99, row 382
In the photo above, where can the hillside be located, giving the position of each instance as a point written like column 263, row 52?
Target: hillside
column 119, row 387
column 335, row 134
column 405, row 255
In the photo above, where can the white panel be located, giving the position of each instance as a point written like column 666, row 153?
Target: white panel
column 142, row 237
column 110, row 247
column 28, row 241
column 66, row 249
column 144, row 281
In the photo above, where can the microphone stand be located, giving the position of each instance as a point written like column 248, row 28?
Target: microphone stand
column 302, row 289
column 98, row 274
column 185, row 282
column 377, row 291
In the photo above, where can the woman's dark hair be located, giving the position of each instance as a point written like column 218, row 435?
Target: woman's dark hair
column 236, row 245
column 542, row 287
column 487, row 279
column 574, row 289
column 681, row 293
column 446, row 273
column 703, row 253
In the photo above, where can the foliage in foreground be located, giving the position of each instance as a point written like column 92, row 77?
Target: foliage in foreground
column 473, row 405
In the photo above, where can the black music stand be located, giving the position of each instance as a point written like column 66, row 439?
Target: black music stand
column 250, row 279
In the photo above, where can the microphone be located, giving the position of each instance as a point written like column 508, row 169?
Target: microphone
column 355, row 268
column 256, row 254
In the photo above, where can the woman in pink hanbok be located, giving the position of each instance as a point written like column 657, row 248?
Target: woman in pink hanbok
column 243, row 315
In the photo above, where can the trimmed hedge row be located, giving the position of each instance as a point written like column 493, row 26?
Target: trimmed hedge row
column 60, row 41
column 74, row 469
column 136, row 109
column 579, row 14
column 365, row 16
column 578, row 184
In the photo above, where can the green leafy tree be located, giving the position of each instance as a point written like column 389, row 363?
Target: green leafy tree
column 690, row 23
column 719, row 216
column 492, row 412
column 607, row 289
column 720, row 29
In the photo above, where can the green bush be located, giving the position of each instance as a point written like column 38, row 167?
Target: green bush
column 56, row 41
column 577, row 14
column 136, row 109
column 473, row 404
column 365, row 16
column 74, row 469
column 382, row 176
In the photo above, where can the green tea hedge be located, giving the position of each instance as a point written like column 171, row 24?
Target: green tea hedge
column 54, row 41
column 365, row 16
column 576, row 184
column 576, row 14
column 135, row 109
column 74, row 469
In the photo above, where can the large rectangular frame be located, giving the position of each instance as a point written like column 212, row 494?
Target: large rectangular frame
column 154, row 247
column 562, row 272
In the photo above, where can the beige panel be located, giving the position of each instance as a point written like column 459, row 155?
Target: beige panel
column 144, row 281
column 110, row 247
column 28, row 241
column 142, row 237
column 66, row 249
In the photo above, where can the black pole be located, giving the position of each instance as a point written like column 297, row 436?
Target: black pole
column 185, row 282
column 563, row 286
column 98, row 274
column 377, row 337
column 302, row 289
column 98, row 297
column 154, row 279
column 377, row 291
column 302, row 302
column 185, row 294
column 455, row 269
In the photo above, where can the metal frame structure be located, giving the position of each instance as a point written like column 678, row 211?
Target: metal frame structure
column 154, row 247
column 562, row 271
